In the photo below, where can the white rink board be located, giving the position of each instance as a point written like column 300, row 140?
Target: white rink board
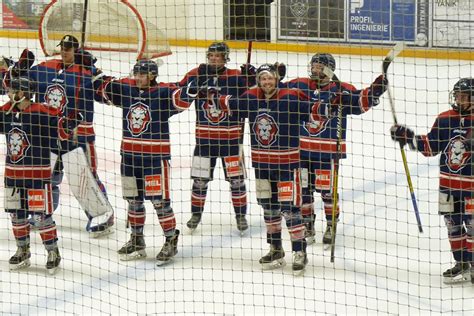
column 383, row 265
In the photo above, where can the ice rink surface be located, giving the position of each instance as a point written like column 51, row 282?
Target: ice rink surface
column 382, row 265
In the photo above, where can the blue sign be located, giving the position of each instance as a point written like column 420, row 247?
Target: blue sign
column 369, row 20
column 403, row 20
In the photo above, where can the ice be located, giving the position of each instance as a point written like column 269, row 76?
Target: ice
column 382, row 265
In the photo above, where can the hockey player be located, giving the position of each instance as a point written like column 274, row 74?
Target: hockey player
column 319, row 137
column 216, row 136
column 451, row 137
column 145, row 168
column 32, row 132
column 274, row 115
column 67, row 84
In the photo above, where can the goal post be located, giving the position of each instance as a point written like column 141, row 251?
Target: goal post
column 111, row 25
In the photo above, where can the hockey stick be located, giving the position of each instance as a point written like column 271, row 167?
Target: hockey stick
column 335, row 172
column 84, row 23
column 386, row 63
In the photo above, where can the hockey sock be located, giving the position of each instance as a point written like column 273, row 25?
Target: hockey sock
column 166, row 216
column 239, row 196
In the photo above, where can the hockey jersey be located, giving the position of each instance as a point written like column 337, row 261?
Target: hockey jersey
column 66, row 89
column 145, row 114
column 274, row 125
column 451, row 137
column 31, row 135
column 319, row 136
column 217, row 134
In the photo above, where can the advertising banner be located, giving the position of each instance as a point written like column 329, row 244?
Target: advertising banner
column 369, row 20
column 453, row 23
column 299, row 19
column 21, row 14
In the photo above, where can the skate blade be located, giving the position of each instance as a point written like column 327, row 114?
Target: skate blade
column 299, row 272
column 466, row 276
column 280, row 263
column 191, row 230
column 161, row 263
column 22, row 265
column 52, row 270
column 133, row 256
column 102, row 233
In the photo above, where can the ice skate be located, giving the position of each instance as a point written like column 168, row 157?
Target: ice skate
column 310, row 233
column 169, row 250
column 100, row 225
column 327, row 237
column 472, row 273
column 459, row 273
column 194, row 221
column 300, row 259
column 21, row 258
column 242, row 224
column 52, row 263
column 275, row 258
column 133, row 249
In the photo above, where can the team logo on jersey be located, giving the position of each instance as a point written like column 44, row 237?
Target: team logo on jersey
column 138, row 118
column 457, row 153
column 315, row 127
column 265, row 129
column 18, row 144
column 213, row 113
column 55, row 97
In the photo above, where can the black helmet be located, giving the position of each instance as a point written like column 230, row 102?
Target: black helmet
column 465, row 85
column 219, row 47
column 146, row 66
column 325, row 59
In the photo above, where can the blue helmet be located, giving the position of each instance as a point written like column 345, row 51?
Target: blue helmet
column 270, row 68
column 325, row 59
column 146, row 66
column 219, row 47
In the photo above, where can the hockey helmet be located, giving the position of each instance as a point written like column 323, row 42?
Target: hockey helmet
column 325, row 59
column 219, row 47
column 146, row 66
column 464, row 85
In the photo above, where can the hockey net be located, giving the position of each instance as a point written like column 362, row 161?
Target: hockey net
column 382, row 266
column 109, row 25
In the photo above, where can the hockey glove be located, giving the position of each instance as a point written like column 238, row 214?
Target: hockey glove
column 403, row 135
column 67, row 124
column 378, row 87
column 250, row 73
column 84, row 58
column 281, row 70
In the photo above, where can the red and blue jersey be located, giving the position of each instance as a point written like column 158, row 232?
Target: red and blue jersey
column 274, row 125
column 451, row 137
column 319, row 134
column 145, row 114
column 31, row 135
column 67, row 89
column 217, row 133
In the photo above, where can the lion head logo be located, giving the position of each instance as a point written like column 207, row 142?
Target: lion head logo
column 265, row 129
column 315, row 126
column 17, row 144
column 138, row 118
column 213, row 113
column 55, row 97
column 457, row 153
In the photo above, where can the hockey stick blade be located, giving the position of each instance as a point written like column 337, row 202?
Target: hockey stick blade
column 394, row 52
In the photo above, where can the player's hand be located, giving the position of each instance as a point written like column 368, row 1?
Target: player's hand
column 378, row 87
column 403, row 135
column 281, row 70
column 250, row 73
column 84, row 58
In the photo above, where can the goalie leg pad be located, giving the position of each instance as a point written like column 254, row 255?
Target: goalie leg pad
column 84, row 185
